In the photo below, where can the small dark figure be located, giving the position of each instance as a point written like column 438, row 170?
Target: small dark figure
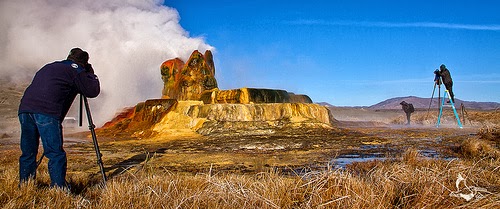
column 445, row 75
column 43, row 107
column 408, row 108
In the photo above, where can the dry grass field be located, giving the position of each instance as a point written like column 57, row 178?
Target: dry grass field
column 409, row 181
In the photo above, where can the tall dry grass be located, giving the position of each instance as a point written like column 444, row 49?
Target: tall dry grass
column 485, row 146
column 490, row 133
column 410, row 181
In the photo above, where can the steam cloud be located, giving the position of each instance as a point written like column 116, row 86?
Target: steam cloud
column 127, row 41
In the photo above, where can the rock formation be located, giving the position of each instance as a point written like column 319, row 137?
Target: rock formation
column 171, row 76
column 192, row 104
column 187, row 81
column 243, row 119
column 168, row 116
column 252, row 96
column 196, row 81
column 141, row 117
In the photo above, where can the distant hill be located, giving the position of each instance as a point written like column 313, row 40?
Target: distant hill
column 421, row 103
column 325, row 104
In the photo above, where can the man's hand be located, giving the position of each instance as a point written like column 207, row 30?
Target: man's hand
column 88, row 68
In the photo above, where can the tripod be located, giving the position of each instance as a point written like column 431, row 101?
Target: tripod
column 437, row 82
column 83, row 99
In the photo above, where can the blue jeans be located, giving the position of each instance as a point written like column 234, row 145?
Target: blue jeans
column 49, row 129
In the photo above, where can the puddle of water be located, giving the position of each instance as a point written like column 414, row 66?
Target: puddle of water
column 429, row 153
column 343, row 160
column 369, row 146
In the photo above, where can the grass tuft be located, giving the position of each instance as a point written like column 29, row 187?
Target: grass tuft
column 479, row 148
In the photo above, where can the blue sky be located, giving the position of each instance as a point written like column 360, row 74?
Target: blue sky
column 350, row 53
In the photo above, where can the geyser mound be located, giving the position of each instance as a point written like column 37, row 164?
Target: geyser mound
column 192, row 104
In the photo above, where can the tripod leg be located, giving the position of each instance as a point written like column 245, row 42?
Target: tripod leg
column 433, row 90
column 94, row 139
column 80, row 113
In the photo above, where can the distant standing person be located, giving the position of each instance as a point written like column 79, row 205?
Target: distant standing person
column 43, row 107
column 408, row 109
column 445, row 75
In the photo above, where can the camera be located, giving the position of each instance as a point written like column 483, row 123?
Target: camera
column 437, row 78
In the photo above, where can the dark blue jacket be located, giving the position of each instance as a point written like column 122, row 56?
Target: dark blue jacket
column 55, row 86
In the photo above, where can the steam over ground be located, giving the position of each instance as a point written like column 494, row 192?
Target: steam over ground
column 127, row 41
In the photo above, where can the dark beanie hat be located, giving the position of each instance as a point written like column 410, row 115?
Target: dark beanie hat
column 79, row 56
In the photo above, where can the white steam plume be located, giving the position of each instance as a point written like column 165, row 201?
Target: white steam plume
column 127, row 41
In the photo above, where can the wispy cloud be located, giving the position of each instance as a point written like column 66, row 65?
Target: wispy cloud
column 413, row 82
column 396, row 24
column 479, row 81
column 386, row 82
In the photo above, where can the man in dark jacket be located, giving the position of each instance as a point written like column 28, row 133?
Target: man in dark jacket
column 445, row 75
column 408, row 109
column 43, row 107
